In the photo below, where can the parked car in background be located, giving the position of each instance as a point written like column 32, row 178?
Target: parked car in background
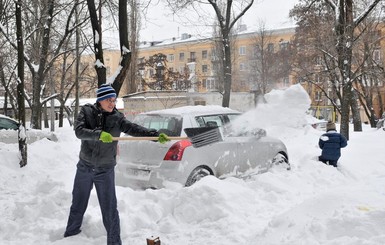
column 9, row 132
column 148, row 164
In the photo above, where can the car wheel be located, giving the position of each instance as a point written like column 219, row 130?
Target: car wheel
column 197, row 174
column 281, row 160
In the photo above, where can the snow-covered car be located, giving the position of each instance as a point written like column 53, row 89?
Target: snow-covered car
column 9, row 132
column 148, row 164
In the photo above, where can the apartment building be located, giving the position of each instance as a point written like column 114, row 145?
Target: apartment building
column 200, row 56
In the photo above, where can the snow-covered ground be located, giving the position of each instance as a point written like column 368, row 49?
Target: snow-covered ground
column 311, row 204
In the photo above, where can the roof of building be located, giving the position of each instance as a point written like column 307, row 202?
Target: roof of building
column 186, row 38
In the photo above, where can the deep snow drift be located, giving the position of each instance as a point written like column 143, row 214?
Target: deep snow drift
column 311, row 204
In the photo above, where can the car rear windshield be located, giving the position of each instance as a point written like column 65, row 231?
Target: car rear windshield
column 8, row 124
column 170, row 125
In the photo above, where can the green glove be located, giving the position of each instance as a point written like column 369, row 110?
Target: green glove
column 105, row 137
column 163, row 138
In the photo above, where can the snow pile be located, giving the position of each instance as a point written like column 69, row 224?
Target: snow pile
column 311, row 204
column 283, row 109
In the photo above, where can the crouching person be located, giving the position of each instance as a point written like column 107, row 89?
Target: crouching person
column 331, row 143
column 96, row 125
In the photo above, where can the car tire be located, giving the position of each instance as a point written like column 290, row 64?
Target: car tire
column 281, row 160
column 196, row 175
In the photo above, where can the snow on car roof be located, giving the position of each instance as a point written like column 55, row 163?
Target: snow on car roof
column 10, row 118
column 194, row 110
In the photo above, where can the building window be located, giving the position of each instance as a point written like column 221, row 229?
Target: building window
column 270, row 47
column 199, row 102
column 318, row 96
column 211, row 84
column 192, row 57
column 283, row 45
column 204, row 68
column 204, row 83
column 181, row 56
column 170, row 58
column 214, row 55
column 242, row 66
column 242, row 50
column 204, row 54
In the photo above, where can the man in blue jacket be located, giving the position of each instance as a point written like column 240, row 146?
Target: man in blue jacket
column 331, row 143
column 95, row 126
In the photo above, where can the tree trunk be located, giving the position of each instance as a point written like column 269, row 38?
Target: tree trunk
column 52, row 107
column 345, row 112
column 20, row 85
column 379, row 99
column 45, row 114
column 38, row 77
column 98, row 48
column 77, row 65
column 134, row 37
column 344, row 32
column 357, row 124
column 227, row 71
column 124, row 46
column 3, row 83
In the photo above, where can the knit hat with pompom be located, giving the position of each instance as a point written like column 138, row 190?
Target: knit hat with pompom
column 104, row 92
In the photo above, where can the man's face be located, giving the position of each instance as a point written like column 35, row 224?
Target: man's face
column 108, row 104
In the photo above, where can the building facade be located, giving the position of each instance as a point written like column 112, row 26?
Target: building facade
column 260, row 62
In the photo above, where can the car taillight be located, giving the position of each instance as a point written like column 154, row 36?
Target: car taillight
column 175, row 153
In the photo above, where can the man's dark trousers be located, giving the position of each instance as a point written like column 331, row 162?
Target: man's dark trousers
column 104, row 180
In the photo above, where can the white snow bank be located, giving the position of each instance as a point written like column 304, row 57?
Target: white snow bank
column 311, row 204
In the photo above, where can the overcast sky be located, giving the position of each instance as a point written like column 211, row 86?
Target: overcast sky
column 161, row 24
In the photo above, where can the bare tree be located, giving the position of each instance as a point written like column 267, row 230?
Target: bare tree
column 163, row 77
column 269, row 62
column 40, row 18
column 345, row 25
column 7, row 64
column 263, row 62
column 370, row 67
column 96, row 22
column 227, row 14
column 343, row 36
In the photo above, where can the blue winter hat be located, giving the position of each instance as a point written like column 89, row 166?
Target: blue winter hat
column 104, row 92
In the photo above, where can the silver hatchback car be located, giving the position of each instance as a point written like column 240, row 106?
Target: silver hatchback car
column 148, row 164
